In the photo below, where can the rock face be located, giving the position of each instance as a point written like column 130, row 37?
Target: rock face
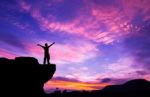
column 24, row 76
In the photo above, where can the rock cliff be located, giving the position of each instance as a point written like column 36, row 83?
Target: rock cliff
column 24, row 76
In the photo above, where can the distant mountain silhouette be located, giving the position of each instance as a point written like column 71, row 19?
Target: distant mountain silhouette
column 24, row 76
column 133, row 88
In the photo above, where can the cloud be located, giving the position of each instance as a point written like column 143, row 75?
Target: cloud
column 64, row 79
column 75, row 54
column 82, row 74
column 142, row 72
column 73, row 85
column 91, row 28
column 133, row 8
column 123, row 69
column 13, row 41
column 138, row 45
column 4, row 53
column 106, row 80
column 24, row 5
column 115, row 81
column 101, row 24
column 99, row 21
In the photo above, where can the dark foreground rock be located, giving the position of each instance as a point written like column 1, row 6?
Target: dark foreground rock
column 24, row 77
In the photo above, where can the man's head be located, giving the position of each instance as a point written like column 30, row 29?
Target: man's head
column 46, row 44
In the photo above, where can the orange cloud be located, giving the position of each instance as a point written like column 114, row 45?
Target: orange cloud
column 69, row 85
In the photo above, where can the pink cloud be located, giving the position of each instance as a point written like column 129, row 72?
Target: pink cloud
column 90, row 27
column 25, row 6
column 147, row 77
column 77, row 54
column 132, row 7
column 7, row 54
column 114, row 19
column 117, row 22
column 122, row 68
column 85, row 29
column 81, row 75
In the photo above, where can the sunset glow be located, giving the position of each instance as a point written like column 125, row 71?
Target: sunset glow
column 68, row 85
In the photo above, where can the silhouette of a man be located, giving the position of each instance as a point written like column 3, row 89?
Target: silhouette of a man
column 46, row 52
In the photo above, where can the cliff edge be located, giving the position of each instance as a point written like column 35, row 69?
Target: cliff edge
column 24, row 76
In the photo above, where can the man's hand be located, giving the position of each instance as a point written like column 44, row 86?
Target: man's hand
column 40, row 45
column 51, row 44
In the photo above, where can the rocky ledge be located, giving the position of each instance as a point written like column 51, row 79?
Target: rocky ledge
column 24, row 76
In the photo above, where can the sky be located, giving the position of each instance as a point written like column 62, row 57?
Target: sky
column 97, row 42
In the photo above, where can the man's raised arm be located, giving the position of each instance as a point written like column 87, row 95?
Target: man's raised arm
column 51, row 44
column 40, row 45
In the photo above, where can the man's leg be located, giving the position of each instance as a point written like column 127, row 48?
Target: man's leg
column 48, row 61
column 44, row 60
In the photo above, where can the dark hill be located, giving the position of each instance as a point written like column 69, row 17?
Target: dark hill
column 133, row 88
column 24, row 76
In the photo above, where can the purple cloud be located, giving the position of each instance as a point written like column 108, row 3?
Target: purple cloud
column 106, row 80
column 138, row 45
column 65, row 79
